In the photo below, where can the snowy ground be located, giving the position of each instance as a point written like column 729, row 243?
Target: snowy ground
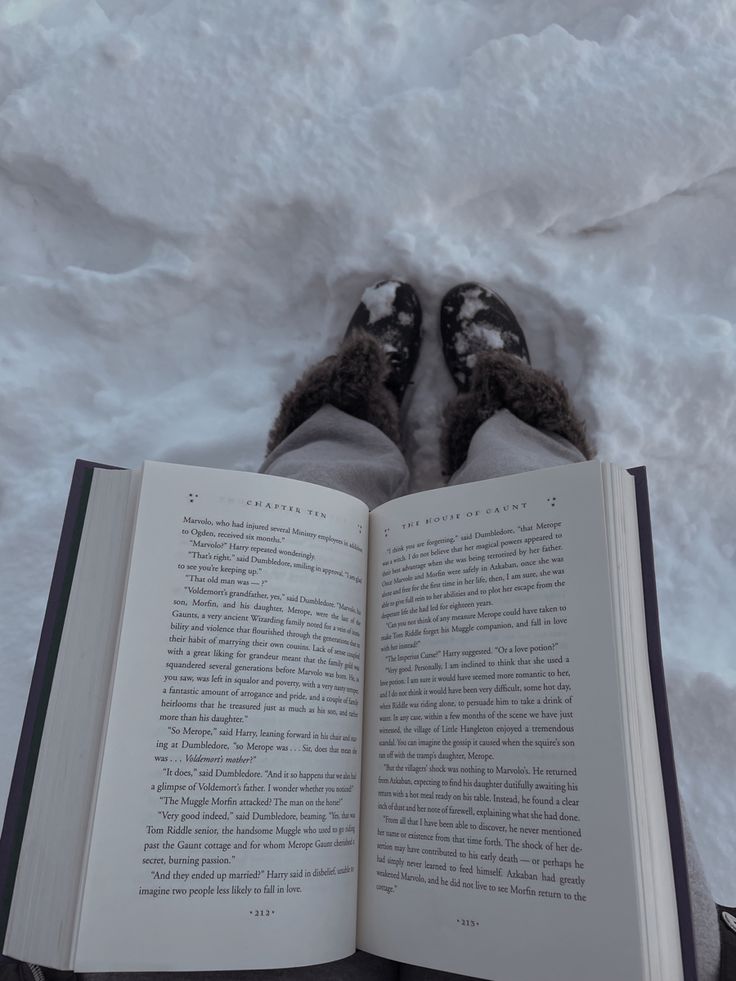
column 194, row 195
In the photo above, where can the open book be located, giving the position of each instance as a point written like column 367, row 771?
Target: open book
column 267, row 726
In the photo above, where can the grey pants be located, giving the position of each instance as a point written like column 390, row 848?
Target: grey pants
column 336, row 450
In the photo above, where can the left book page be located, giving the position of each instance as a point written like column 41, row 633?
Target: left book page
column 225, row 828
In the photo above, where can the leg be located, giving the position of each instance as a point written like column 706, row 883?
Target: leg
column 337, row 450
column 339, row 426
column 510, row 418
column 504, row 445
column 507, row 417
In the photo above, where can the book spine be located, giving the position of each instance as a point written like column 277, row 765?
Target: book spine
column 664, row 732
column 24, row 770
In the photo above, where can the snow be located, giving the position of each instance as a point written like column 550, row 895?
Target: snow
column 196, row 195
column 472, row 304
column 489, row 337
column 379, row 300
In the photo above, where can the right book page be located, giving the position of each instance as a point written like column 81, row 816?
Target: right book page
column 496, row 828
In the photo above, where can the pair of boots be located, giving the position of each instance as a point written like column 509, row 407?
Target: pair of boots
column 485, row 351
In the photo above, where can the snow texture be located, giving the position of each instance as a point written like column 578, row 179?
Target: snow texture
column 472, row 304
column 379, row 300
column 490, row 337
column 195, row 196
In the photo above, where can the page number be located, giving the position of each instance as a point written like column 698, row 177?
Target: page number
column 468, row 923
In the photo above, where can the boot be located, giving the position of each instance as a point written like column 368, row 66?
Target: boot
column 371, row 371
column 390, row 312
column 487, row 354
column 474, row 319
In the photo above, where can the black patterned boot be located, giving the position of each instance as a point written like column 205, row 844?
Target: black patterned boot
column 475, row 319
column 390, row 311
column 486, row 352
column 370, row 373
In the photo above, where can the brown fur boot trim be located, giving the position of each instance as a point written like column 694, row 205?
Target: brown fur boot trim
column 502, row 381
column 351, row 380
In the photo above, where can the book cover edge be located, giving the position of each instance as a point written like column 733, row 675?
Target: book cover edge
column 21, row 783
column 664, row 731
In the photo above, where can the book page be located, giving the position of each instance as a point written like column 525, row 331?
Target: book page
column 225, row 833
column 496, row 837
